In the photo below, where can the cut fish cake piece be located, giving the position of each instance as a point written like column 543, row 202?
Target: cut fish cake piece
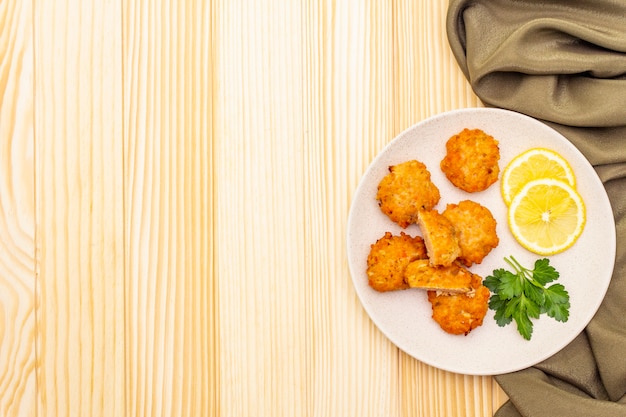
column 475, row 228
column 451, row 279
column 388, row 259
column 442, row 244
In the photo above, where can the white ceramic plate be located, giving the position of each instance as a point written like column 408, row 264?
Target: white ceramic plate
column 405, row 316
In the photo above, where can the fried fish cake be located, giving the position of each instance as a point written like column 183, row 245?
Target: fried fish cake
column 471, row 161
column 476, row 230
column 446, row 279
column 442, row 245
column 388, row 258
column 461, row 313
column 406, row 190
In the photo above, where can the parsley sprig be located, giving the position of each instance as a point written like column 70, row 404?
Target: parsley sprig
column 522, row 295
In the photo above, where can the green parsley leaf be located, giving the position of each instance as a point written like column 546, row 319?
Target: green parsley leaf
column 531, row 308
column 510, row 286
column 543, row 272
column 492, row 282
column 557, row 302
column 499, row 306
column 521, row 295
column 524, row 325
column 534, row 292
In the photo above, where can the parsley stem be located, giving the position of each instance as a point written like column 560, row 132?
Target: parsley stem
column 522, row 272
column 519, row 269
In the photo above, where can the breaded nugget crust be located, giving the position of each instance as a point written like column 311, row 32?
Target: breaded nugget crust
column 442, row 245
column 388, row 258
column 449, row 279
column 476, row 230
column 406, row 190
column 461, row 313
column 471, row 161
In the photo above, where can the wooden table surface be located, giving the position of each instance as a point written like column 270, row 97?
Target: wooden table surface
column 176, row 181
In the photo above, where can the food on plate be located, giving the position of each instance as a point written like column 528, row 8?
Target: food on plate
column 451, row 241
column 406, row 190
column 445, row 279
column 442, row 245
column 388, row 259
column 547, row 216
column 533, row 164
column 475, row 229
column 461, row 313
column 471, row 160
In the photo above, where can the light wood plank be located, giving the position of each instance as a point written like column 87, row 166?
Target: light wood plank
column 17, row 213
column 172, row 351
column 427, row 80
column 348, row 113
column 263, row 282
column 79, row 208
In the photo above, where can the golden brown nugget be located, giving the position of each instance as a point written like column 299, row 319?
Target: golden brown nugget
column 471, row 161
column 476, row 230
column 442, row 245
column 461, row 313
column 388, row 259
column 406, row 190
column 446, row 279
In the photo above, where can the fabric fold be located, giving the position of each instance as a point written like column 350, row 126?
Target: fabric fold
column 563, row 63
column 550, row 66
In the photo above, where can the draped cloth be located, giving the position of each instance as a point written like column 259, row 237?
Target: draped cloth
column 564, row 63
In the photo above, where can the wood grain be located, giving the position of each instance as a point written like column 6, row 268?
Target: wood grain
column 171, row 309
column 17, row 212
column 348, row 104
column 262, row 295
column 176, row 181
column 79, row 208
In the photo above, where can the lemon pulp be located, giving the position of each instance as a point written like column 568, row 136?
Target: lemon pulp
column 546, row 216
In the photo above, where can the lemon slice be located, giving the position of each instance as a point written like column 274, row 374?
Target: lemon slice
column 531, row 165
column 546, row 216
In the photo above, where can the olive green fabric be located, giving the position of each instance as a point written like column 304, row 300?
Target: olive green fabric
column 562, row 62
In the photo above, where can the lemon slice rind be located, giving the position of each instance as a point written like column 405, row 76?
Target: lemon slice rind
column 517, row 173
